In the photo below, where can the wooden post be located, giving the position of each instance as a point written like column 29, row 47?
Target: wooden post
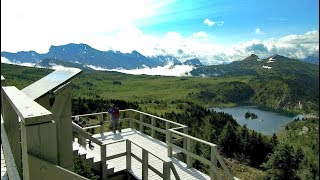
column 103, row 153
column 40, row 141
column 166, row 170
column 214, row 163
column 167, row 132
column 144, row 164
column 128, row 155
column 130, row 119
column 12, row 126
column 141, row 125
column 169, row 148
column 185, row 131
column 101, row 122
column 189, row 159
column 3, row 83
column 61, row 111
column 38, row 131
column 153, row 124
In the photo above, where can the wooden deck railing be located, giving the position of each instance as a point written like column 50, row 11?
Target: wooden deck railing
column 31, row 137
column 167, row 163
column 173, row 136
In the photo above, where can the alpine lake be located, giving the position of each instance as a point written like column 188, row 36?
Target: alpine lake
column 267, row 123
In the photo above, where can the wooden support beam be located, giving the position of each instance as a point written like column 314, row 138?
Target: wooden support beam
column 101, row 123
column 61, row 111
column 128, row 155
column 224, row 166
column 141, row 125
column 213, row 175
column 189, row 159
column 144, row 164
column 167, row 131
column 40, row 141
column 12, row 127
column 153, row 123
column 130, row 119
column 175, row 173
column 103, row 154
column 185, row 131
column 166, row 170
column 169, row 148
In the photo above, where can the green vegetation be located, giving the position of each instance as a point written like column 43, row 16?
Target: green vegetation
column 274, row 92
column 283, row 163
column 184, row 100
column 84, row 169
column 303, row 136
column 289, row 85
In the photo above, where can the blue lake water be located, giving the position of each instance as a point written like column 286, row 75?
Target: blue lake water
column 268, row 122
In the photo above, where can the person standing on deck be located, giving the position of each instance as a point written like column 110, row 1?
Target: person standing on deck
column 114, row 111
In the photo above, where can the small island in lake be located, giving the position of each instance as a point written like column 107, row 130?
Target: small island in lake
column 250, row 115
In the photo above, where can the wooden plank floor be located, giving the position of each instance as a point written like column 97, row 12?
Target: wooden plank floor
column 153, row 145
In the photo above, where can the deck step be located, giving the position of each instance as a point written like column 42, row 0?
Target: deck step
column 88, row 154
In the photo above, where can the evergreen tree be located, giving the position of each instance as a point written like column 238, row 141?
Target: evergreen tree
column 274, row 141
column 228, row 140
column 282, row 164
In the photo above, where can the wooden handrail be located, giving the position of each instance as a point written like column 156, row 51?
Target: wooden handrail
column 76, row 128
column 202, row 159
column 150, row 115
column 193, row 138
column 173, row 132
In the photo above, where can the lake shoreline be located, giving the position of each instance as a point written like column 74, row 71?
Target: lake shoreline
column 263, row 107
column 268, row 121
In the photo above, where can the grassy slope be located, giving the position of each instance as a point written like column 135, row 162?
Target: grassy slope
column 133, row 88
column 287, row 84
column 303, row 134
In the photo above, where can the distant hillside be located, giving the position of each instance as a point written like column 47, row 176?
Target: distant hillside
column 244, row 67
column 279, row 82
column 86, row 55
column 49, row 63
column 194, row 62
column 313, row 59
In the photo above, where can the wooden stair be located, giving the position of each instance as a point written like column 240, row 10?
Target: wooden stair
column 86, row 154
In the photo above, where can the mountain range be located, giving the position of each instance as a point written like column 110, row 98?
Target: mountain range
column 313, row 59
column 277, row 81
column 83, row 55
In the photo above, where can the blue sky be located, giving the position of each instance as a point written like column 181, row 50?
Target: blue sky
column 241, row 18
column 215, row 31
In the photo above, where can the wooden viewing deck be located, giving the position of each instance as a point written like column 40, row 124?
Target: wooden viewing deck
column 152, row 145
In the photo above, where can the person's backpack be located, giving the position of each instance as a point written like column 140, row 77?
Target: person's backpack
column 116, row 112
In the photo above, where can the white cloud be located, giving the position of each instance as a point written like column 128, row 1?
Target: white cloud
column 208, row 22
column 7, row 61
column 200, row 34
column 36, row 24
column 259, row 31
column 109, row 25
column 211, row 23
column 168, row 70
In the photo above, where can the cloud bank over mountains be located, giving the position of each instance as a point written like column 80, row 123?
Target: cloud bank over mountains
column 168, row 70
